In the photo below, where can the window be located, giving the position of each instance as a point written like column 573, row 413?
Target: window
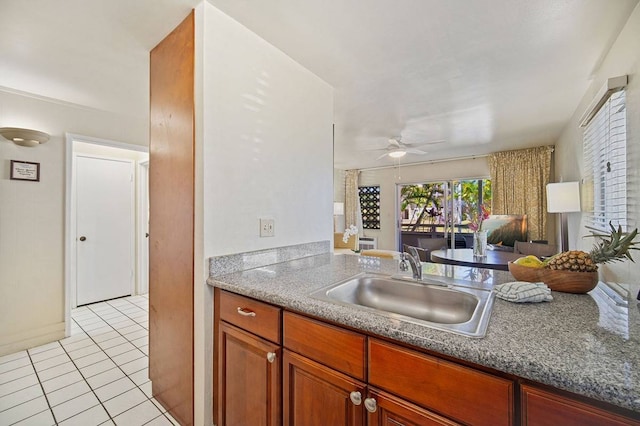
column 605, row 159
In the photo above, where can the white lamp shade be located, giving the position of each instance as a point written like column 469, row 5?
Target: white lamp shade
column 338, row 209
column 563, row 197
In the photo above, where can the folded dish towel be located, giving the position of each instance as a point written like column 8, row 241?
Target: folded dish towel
column 522, row 292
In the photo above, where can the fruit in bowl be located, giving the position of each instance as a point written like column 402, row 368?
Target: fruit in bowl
column 576, row 271
column 530, row 261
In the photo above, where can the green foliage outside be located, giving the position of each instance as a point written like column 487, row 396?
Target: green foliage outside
column 428, row 201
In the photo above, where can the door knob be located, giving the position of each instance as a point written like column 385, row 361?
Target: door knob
column 83, row 238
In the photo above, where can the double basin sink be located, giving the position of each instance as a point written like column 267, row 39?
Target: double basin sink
column 430, row 302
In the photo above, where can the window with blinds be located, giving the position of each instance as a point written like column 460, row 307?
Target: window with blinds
column 605, row 159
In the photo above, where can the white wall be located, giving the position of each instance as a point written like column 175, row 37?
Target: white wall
column 268, row 143
column 264, row 149
column 622, row 58
column 32, row 214
column 389, row 178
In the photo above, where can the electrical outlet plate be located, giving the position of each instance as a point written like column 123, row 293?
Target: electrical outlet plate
column 267, row 227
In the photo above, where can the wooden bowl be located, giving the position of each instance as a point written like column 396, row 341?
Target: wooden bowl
column 565, row 281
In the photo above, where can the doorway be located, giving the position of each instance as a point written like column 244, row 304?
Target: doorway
column 78, row 151
column 105, row 229
column 142, row 231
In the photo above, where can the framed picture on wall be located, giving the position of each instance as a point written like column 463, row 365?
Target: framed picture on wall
column 25, row 170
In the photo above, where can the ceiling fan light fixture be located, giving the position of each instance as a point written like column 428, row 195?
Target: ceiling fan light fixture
column 24, row 137
column 397, row 153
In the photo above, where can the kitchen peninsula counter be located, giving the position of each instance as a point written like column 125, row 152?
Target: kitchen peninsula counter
column 585, row 344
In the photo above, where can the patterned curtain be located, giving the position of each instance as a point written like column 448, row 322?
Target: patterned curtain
column 352, row 215
column 518, row 186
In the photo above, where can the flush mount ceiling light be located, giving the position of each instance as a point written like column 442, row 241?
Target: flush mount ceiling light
column 397, row 153
column 24, row 137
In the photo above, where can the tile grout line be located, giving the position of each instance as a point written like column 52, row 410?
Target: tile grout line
column 92, row 316
column 118, row 366
column 162, row 414
column 83, row 378
column 33, row 365
column 125, row 314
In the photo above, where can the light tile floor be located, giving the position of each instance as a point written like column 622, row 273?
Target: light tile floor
column 97, row 376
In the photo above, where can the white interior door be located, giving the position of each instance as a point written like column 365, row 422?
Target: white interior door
column 104, row 228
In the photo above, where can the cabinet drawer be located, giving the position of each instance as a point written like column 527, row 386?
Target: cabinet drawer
column 337, row 348
column 545, row 408
column 458, row 392
column 257, row 317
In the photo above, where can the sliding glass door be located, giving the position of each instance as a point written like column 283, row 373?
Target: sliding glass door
column 434, row 215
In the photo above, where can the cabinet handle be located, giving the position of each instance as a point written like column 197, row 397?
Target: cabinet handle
column 370, row 405
column 271, row 357
column 356, row 397
column 245, row 312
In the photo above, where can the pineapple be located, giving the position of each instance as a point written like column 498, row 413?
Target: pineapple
column 612, row 248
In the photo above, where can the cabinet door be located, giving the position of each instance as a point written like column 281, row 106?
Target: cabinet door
column 250, row 379
column 542, row 408
column 315, row 395
column 384, row 409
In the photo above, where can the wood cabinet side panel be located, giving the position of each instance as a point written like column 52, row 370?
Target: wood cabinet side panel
column 171, row 221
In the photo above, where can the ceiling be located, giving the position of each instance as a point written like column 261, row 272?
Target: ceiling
column 482, row 75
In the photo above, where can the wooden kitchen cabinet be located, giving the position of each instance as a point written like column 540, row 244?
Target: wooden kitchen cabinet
column 329, row 366
column 544, row 408
column 278, row 367
column 393, row 411
column 455, row 391
column 315, row 395
column 249, row 377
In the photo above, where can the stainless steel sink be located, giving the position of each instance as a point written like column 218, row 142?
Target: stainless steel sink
column 461, row 310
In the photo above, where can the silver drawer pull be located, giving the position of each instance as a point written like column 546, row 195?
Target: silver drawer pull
column 245, row 312
column 370, row 405
column 356, row 397
column 271, row 356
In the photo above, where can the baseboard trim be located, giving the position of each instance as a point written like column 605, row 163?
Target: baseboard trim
column 10, row 343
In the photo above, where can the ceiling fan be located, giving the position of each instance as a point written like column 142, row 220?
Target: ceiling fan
column 398, row 149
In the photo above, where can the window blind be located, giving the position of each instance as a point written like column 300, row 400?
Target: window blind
column 605, row 159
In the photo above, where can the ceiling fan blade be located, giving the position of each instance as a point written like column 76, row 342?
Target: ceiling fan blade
column 415, row 151
column 420, row 145
column 395, row 142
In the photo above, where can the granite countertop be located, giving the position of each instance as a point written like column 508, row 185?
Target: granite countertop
column 586, row 344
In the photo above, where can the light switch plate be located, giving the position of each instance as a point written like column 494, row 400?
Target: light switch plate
column 267, row 227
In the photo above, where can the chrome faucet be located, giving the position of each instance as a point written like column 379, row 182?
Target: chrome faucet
column 414, row 261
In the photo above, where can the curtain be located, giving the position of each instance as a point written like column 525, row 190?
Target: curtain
column 352, row 215
column 518, row 186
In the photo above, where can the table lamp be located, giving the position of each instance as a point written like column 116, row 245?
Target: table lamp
column 563, row 198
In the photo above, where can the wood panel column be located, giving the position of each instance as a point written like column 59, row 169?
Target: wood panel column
column 171, row 221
